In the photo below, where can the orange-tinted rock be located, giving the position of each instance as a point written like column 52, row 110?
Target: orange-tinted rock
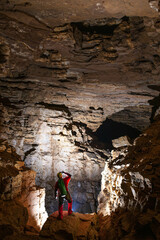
column 13, row 218
column 17, row 184
column 79, row 226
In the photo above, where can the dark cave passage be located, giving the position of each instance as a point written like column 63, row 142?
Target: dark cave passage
column 110, row 130
column 155, row 102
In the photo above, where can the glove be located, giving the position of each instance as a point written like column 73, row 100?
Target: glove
column 55, row 195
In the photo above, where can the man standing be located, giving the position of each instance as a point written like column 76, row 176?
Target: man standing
column 62, row 187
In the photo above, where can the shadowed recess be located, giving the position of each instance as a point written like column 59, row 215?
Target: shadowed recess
column 110, row 130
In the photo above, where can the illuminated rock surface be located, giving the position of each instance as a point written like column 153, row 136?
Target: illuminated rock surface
column 21, row 202
column 136, row 213
column 130, row 187
column 79, row 226
column 135, row 199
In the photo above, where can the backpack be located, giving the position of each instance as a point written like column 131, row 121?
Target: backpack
column 62, row 187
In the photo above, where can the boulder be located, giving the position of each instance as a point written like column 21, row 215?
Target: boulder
column 121, row 142
column 18, row 193
column 76, row 227
column 13, row 218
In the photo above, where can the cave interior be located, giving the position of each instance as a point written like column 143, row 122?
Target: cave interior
column 80, row 92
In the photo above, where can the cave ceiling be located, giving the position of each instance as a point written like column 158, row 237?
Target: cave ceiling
column 54, row 12
column 95, row 59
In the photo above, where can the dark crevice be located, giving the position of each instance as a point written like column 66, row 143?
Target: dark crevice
column 30, row 151
column 6, row 102
column 154, row 87
column 80, row 29
column 6, row 230
column 104, row 156
column 52, row 68
column 23, row 4
column 57, row 107
column 98, row 29
column 64, row 80
column 79, row 125
column 140, row 94
column 62, row 234
column 95, row 143
column 17, row 81
column 56, row 86
column 110, row 130
column 125, row 19
column 2, row 56
column 155, row 103
column 144, row 232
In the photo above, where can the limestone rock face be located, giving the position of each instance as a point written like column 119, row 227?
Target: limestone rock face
column 130, row 179
column 33, row 198
column 121, row 142
column 18, row 192
column 79, row 226
column 130, row 187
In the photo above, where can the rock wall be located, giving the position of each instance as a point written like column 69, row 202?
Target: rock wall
column 129, row 206
column 61, row 86
column 18, row 191
column 130, row 188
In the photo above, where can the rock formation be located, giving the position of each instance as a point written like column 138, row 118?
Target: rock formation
column 79, row 226
column 79, row 81
column 62, row 88
column 130, row 187
column 129, row 203
column 22, row 202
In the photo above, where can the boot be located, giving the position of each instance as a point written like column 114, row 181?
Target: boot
column 70, row 208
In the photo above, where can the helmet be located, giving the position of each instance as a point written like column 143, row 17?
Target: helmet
column 59, row 175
